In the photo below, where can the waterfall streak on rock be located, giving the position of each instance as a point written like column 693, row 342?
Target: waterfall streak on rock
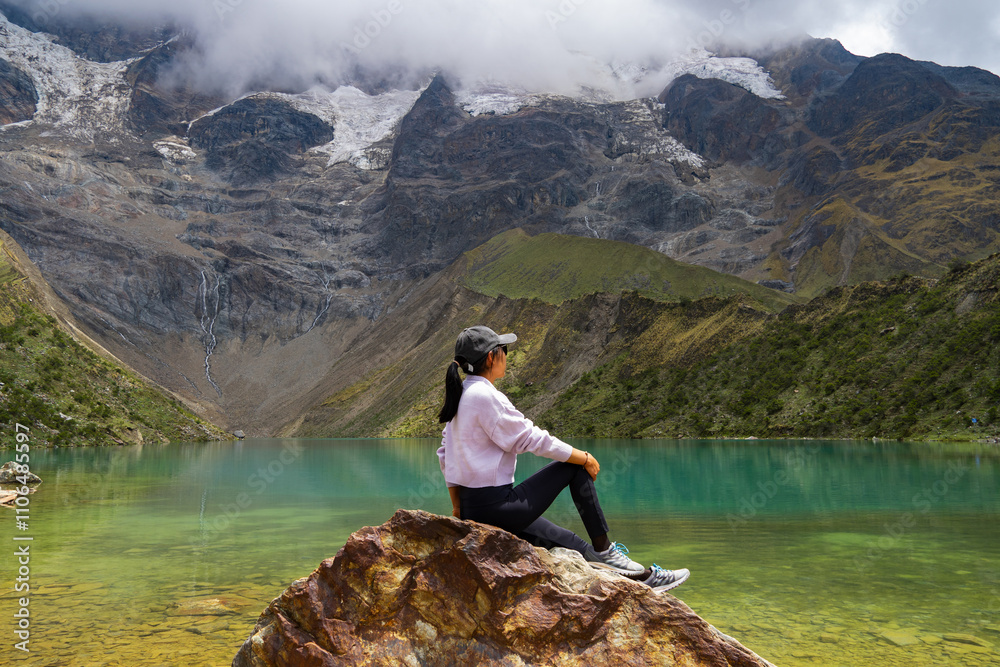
column 209, row 328
column 113, row 328
column 326, row 306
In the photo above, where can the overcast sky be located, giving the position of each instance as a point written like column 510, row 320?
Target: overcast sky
column 539, row 44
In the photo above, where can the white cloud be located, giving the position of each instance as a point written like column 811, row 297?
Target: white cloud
column 865, row 32
column 537, row 44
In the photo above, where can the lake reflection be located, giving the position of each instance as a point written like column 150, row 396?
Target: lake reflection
column 808, row 552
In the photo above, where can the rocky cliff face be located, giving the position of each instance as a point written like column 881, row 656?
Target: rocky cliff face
column 255, row 139
column 212, row 243
column 18, row 97
column 438, row 591
column 721, row 121
column 161, row 105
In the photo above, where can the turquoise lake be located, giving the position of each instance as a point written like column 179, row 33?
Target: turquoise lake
column 808, row 552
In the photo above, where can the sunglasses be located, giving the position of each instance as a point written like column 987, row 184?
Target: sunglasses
column 504, row 348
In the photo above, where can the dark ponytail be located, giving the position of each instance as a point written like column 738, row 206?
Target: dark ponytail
column 452, row 393
column 453, row 385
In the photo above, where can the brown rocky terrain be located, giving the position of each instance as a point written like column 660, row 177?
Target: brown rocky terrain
column 435, row 590
column 872, row 160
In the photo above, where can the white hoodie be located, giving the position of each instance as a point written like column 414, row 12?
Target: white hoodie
column 481, row 443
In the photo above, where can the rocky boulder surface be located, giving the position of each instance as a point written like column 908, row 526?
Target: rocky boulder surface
column 433, row 590
column 10, row 474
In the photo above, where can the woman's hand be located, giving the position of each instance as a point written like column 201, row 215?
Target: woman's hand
column 587, row 460
column 456, row 501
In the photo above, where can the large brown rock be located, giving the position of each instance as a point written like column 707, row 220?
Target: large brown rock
column 424, row 589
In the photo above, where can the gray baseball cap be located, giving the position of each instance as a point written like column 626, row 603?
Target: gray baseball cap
column 476, row 342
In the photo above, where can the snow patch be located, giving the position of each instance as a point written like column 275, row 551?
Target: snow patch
column 655, row 141
column 501, row 104
column 743, row 72
column 494, row 98
column 20, row 123
column 359, row 121
column 175, row 149
column 620, row 81
column 216, row 110
column 78, row 98
column 625, row 81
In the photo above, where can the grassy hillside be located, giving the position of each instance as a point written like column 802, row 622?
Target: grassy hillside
column 907, row 358
column 556, row 267
column 557, row 345
column 571, row 315
column 64, row 392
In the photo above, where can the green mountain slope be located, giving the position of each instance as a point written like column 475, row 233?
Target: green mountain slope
column 556, row 267
column 64, row 392
column 570, row 314
column 908, row 358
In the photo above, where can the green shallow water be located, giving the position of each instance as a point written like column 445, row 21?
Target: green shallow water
column 810, row 553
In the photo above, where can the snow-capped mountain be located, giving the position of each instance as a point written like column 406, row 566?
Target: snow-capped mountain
column 84, row 99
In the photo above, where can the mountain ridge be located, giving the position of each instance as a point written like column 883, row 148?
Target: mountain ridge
column 557, row 267
column 905, row 359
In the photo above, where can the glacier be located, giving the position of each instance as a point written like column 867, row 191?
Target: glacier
column 87, row 100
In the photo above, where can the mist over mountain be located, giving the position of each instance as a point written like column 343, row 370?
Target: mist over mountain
column 557, row 46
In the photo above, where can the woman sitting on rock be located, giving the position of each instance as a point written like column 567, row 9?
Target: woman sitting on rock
column 483, row 435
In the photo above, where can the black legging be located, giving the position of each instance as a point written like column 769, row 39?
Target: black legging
column 518, row 509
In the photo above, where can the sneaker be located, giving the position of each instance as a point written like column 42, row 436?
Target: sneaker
column 616, row 559
column 663, row 580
